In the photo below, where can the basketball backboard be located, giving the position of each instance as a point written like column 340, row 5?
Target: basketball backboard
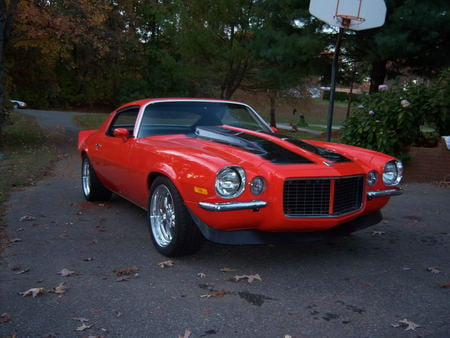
column 350, row 14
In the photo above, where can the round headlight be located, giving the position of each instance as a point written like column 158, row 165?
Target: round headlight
column 230, row 182
column 393, row 172
column 372, row 178
column 257, row 185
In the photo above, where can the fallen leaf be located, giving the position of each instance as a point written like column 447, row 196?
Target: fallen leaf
column 406, row 324
column 377, row 233
column 27, row 218
column 4, row 318
column 250, row 278
column 83, row 327
column 187, row 334
column 15, row 240
column 166, row 264
column 60, row 289
column 406, row 268
column 123, row 279
column 21, row 272
column 215, row 294
column 227, row 269
column 444, row 285
column 33, row 292
column 126, row 271
column 433, row 270
column 201, row 275
column 66, row 272
column 88, row 259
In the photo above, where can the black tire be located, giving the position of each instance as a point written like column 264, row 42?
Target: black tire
column 172, row 229
column 93, row 189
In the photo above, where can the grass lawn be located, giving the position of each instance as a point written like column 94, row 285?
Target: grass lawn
column 90, row 121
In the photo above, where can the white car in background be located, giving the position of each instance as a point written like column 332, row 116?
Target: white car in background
column 18, row 104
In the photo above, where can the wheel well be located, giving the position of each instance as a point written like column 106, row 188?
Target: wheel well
column 152, row 177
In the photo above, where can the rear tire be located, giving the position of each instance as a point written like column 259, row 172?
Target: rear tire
column 93, row 189
column 172, row 229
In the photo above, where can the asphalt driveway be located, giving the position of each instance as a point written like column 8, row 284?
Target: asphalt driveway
column 391, row 280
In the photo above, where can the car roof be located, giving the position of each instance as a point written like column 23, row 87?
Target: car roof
column 176, row 99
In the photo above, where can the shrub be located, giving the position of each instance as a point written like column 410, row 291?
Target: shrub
column 389, row 121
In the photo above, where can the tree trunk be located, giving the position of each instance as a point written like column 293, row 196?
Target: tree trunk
column 377, row 75
column 6, row 23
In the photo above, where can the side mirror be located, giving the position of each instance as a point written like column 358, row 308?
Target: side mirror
column 123, row 133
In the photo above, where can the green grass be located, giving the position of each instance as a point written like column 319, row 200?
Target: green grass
column 27, row 153
column 90, row 120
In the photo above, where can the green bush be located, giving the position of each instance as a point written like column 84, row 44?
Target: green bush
column 388, row 121
column 439, row 116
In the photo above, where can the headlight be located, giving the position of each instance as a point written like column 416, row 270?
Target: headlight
column 372, row 178
column 393, row 172
column 257, row 185
column 230, row 182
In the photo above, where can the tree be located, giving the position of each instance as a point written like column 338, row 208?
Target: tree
column 212, row 42
column 287, row 47
column 413, row 40
column 7, row 15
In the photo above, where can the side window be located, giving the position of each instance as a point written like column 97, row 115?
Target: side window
column 125, row 118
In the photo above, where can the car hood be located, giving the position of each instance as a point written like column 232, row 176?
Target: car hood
column 275, row 148
column 240, row 146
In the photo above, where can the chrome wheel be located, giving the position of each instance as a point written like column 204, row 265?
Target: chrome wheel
column 162, row 215
column 86, row 177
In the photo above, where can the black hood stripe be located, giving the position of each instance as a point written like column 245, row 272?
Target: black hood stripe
column 251, row 143
column 322, row 152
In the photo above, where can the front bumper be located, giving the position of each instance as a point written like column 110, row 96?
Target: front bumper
column 384, row 193
column 232, row 206
column 256, row 205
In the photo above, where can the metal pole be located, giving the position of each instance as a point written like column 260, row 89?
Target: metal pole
column 333, row 83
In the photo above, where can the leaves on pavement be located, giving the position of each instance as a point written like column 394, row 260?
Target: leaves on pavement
column 227, row 269
column 126, row 273
column 66, row 272
column 445, row 285
column 5, row 317
column 27, row 218
column 433, row 269
column 187, row 334
column 33, row 292
column 215, row 294
column 201, row 275
column 166, row 264
column 406, row 324
column 250, row 278
column 83, row 325
column 60, row 289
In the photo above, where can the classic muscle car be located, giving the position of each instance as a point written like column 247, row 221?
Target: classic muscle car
column 215, row 169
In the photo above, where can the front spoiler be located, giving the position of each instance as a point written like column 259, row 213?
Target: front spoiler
column 252, row 236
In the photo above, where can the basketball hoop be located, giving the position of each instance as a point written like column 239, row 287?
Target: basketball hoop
column 343, row 17
column 346, row 21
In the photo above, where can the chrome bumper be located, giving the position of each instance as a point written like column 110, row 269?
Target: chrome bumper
column 231, row 206
column 384, row 193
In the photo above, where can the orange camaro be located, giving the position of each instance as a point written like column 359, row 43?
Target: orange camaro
column 214, row 169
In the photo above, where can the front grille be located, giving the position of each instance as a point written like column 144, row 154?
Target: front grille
column 323, row 197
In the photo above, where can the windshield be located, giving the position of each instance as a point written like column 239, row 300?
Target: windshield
column 184, row 116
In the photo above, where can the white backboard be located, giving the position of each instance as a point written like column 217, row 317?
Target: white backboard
column 350, row 14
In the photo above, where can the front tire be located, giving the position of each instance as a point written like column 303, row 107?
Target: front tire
column 93, row 189
column 172, row 229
